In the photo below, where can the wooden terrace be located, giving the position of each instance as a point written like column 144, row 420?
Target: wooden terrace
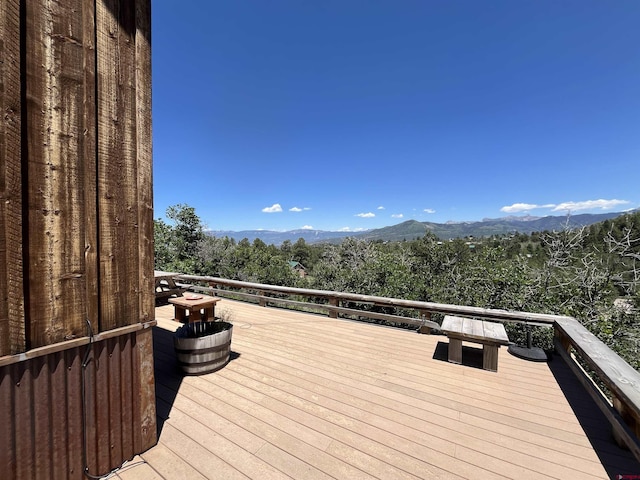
column 306, row 396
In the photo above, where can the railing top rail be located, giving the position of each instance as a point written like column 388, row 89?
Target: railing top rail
column 620, row 377
column 463, row 310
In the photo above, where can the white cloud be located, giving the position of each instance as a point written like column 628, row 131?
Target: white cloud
column 307, row 227
column 565, row 206
column 275, row 208
column 380, row 207
column 344, row 229
column 429, row 210
column 519, row 207
column 366, row 215
column 397, row 215
column 589, row 204
column 298, row 209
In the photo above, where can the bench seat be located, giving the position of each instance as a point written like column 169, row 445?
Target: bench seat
column 490, row 335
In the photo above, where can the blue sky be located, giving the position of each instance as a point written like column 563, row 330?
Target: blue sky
column 350, row 115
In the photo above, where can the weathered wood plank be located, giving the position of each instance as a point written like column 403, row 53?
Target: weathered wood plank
column 56, row 247
column 467, row 327
column 38, row 20
column 452, row 323
column 474, row 330
column 478, row 329
column 88, row 145
column 144, row 159
column 495, row 331
column 78, row 342
column 12, row 322
column 117, row 190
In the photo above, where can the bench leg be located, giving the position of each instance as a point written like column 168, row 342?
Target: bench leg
column 490, row 357
column 455, row 350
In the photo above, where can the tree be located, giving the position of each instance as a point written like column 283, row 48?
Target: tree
column 176, row 246
column 162, row 240
column 188, row 230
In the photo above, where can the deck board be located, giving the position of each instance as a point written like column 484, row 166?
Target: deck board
column 306, row 396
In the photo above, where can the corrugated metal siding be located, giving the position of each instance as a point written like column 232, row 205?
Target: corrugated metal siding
column 41, row 423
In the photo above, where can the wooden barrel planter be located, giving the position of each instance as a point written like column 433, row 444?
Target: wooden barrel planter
column 203, row 347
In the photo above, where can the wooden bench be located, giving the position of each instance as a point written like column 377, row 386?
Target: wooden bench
column 166, row 285
column 194, row 308
column 490, row 334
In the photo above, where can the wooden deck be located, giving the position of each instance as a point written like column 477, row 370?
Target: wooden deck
column 309, row 397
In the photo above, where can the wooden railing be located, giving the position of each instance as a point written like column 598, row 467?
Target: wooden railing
column 572, row 339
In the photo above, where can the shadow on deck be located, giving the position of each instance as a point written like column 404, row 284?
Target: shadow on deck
column 615, row 460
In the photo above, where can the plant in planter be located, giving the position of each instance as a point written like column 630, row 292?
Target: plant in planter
column 203, row 347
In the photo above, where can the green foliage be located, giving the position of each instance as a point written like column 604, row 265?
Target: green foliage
column 176, row 245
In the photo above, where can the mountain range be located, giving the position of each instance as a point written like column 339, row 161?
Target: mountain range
column 412, row 229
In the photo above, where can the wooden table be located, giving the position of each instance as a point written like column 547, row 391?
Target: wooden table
column 166, row 284
column 194, row 308
column 490, row 334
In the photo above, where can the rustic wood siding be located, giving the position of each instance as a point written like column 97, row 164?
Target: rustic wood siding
column 117, row 169
column 12, row 325
column 76, row 236
column 75, row 177
column 55, row 170
column 146, row 279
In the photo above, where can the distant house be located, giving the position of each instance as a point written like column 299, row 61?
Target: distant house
column 298, row 267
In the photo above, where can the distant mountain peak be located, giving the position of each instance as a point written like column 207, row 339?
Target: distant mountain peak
column 514, row 218
column 412, row 229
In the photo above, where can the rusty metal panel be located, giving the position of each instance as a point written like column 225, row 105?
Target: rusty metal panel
column 41, row 409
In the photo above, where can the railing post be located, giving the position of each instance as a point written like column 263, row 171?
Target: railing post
column 424, row 315
column 333, row 301
column 561, row 340
column 262, row 301
column 627, row 416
